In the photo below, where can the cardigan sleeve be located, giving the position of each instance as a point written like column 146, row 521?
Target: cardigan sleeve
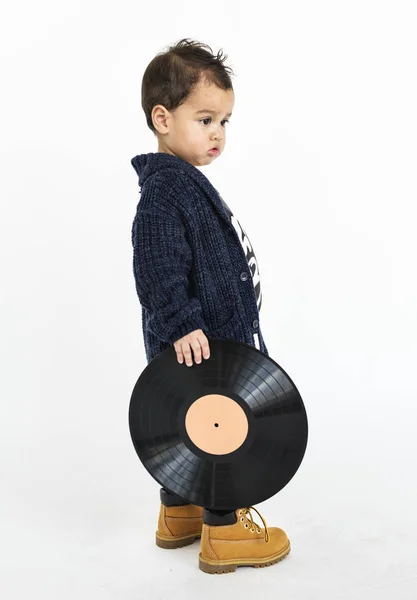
column 162, row 261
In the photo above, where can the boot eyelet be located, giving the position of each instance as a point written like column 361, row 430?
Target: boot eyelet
column 240, row 512
column 246, row 525
column 259, row 531
column 242, row 519
column 252, row 530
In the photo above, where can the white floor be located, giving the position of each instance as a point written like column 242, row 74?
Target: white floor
column 80, row 518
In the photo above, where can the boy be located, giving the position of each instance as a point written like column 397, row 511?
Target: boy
column 192, row 264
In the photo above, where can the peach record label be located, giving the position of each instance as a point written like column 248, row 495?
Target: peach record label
column 216, row 424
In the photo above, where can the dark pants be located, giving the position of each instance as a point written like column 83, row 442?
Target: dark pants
column 210, row 516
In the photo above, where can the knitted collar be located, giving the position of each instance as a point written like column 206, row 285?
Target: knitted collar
column 147, row 164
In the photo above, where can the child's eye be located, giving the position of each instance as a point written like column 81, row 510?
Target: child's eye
column 209, row 118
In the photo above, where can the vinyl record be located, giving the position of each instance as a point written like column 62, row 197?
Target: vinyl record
column 226, row 433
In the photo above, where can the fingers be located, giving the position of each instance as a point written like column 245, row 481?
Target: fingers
column 186, row 350
column 194, row 343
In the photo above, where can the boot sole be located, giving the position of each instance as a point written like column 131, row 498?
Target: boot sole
column 220, row 567
column 169, row 543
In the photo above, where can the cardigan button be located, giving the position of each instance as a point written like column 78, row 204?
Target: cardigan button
column 255, row 323
column 244, row 276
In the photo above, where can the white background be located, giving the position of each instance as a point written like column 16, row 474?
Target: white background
column 320, row 169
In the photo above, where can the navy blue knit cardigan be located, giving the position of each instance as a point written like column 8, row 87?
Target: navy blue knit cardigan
column 189, row 266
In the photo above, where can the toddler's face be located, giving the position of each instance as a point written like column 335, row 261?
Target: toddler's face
column 191, row 130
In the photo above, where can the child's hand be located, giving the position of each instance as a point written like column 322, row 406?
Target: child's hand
column 196, row 340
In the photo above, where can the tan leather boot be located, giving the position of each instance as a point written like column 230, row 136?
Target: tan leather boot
column 240, row 542
column 178, row 525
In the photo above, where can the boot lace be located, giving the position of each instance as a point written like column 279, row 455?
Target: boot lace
column 246, row 512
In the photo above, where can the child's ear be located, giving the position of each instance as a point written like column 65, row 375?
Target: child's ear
column 160, row 118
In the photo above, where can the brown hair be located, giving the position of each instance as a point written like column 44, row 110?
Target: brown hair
column 172, row 75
